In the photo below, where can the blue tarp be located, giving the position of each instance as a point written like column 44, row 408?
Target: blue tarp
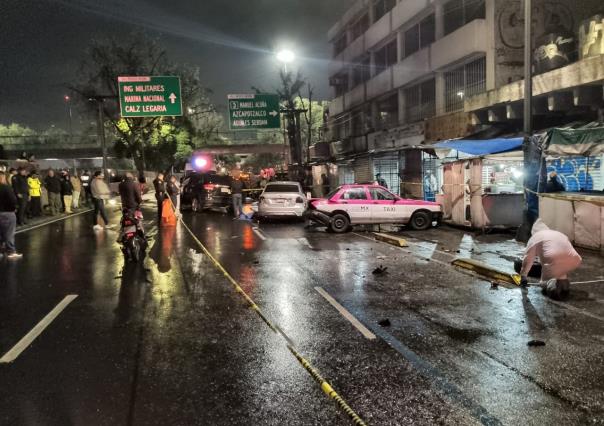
column 482, row 147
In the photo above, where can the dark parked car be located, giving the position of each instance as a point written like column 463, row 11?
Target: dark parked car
column 204, row 191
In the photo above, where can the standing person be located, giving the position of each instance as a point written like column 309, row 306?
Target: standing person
column 8, row 219
column 324, row 184
column 85, row 178
column 100, row 192
column 237, row 196
column 52, row 183
column 130, row 193
column 558, row 258
column 12, row 172
column 35, row 194
column 67, row 192
column 160, row 194
column 380, row 181
column 21, row 188
column 76, row 184
column 554, row 184
column 173, row 191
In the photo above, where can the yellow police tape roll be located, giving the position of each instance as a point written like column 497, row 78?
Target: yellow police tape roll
column 325, row 386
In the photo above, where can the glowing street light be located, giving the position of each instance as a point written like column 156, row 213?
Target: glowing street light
column 286, row 56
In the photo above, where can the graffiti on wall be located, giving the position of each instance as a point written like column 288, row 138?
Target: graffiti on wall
column 577, row 173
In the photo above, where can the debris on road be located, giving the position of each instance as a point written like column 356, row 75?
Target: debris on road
column 384, row 322
column 494, row 285
column 534, row 343
column 379, row 270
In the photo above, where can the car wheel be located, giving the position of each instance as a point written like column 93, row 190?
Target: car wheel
column 420, row 221
column 339, row 223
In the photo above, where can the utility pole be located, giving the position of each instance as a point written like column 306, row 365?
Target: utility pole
column 527, row 222
column 101, row 127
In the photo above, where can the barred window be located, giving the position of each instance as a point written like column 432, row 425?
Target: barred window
column 382, row 7
column 385, row 57
column 360, row 26
column 464, row 81
column 420, row 101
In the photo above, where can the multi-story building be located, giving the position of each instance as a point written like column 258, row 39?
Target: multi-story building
column 408, row 72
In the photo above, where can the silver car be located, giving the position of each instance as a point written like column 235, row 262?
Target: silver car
column 282, row 199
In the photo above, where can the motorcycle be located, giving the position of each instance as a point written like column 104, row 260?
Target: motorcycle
column 132, row 236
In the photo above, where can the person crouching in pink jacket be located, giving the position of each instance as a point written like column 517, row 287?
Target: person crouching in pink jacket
column 558, row 258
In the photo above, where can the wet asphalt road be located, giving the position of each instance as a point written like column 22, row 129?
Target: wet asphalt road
column 172, row 343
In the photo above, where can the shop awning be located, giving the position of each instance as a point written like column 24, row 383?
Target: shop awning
column 585, row 141
column 482, row 147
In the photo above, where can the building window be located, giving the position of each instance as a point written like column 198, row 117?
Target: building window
column 420, row 35
column 460, row 12
column 382, row 7
column 340, row 84
column 385, row 57
column 420, row 101
column 387, row 110
column 463, row 82
column 339, row 45
column 360, row 26
column 361, row 72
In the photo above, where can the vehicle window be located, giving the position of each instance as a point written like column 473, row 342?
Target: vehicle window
column 354, row 194
column 332, row 193
column 282, row 188
column 379, row 194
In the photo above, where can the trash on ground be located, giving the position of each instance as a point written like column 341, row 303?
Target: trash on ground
column 379, row 270
column 536, row 343
column 494, row 285
column 384, row 322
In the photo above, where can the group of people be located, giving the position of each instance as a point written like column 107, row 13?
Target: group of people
column 62, row 189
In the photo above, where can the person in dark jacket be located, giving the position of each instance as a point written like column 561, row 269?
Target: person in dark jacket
column 8, row 219
column 237, row 196
column 160, row 194
column 130, row 193
column 67, row 192
column 21, row 188
column 554, row 184
column 52, row 183
column 173, row 190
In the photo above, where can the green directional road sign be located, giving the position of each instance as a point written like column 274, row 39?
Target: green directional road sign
column 149, row 96
column 254, row 111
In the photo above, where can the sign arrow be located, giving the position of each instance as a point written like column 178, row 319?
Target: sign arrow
column 172, row 98
column 273, row 113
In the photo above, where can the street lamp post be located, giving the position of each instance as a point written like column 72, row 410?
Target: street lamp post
column 286, row 56
column 67, row 100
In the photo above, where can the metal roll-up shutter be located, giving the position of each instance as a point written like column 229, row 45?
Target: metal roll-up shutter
column 363, row 170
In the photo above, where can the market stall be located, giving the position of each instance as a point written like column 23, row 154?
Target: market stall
column 576, row 155
column 481, row 182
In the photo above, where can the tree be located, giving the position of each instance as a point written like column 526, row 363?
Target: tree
column 158, row 141
column 288, row 92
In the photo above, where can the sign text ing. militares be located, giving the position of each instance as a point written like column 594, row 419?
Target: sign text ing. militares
column 254, row 111
column 149, row 96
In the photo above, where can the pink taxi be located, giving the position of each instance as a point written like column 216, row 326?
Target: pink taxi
column 371, row 204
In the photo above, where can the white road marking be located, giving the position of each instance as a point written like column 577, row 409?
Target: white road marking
column 22, row 344
column 31, row 228
column 342, row 310
column 257, row 232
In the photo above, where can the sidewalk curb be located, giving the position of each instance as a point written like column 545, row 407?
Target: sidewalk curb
column 48, row 222
column 486, row 270
column 395, row 241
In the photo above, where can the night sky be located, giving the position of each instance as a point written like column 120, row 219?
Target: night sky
column 43, row 41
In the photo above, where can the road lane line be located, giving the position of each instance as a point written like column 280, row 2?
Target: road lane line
column 319, row 379
column 259, row 234
column 344, row 312
column 27, row 340
column 30, row 228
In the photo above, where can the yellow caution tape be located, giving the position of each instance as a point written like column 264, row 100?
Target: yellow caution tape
column 325, row 386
